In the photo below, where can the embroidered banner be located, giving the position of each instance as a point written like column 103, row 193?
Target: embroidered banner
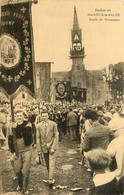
column 42, row 80
column 63, row 91
column 16, row 53
column 79, row 94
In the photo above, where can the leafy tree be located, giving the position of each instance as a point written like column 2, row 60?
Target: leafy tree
column 116, row 79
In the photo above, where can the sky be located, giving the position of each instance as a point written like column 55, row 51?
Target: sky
column 103, row 40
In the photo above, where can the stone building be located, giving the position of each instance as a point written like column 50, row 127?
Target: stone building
column 83, row 85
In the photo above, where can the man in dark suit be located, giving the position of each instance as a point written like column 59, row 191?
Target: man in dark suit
column 47, row 143
column 99, row 136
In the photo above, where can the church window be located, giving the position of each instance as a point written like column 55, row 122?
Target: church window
column 23, row 95
column 76, row 37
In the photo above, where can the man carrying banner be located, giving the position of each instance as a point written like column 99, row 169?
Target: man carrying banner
column 22, row 162
column 47, row 143
column 17, row 74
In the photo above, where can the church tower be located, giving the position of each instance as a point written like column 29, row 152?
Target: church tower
column 78, row 72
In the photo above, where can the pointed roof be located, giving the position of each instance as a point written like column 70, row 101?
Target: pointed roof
column 75, row 20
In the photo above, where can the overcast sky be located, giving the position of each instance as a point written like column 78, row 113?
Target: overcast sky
column 103, row 40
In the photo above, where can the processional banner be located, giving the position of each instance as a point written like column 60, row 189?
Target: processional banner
column 16, row 51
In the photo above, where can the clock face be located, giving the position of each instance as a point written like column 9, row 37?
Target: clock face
column 9, row 51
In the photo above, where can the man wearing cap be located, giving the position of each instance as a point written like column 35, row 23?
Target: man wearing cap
column 47, row 143
column 21, row 143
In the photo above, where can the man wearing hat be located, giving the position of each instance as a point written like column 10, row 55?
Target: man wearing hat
column 47, row 143
column 21, row 141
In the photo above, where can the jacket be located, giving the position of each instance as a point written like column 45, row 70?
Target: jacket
column 46, row 141
column 99, row 136
column 72, row 119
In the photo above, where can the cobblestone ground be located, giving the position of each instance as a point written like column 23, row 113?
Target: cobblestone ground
column 68, row 172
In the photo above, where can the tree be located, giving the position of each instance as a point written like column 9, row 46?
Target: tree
column 116, row 80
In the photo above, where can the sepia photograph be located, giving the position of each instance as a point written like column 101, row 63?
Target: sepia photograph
column 61, row 97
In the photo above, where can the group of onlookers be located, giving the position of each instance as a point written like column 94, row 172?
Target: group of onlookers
column 100, row 131
column 102, row 146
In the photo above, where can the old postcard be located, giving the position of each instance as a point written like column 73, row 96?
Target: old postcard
column 61, row 97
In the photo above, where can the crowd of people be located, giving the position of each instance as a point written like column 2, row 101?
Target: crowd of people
column 99, row 129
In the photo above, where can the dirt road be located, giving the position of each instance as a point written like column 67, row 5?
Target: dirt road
column 68, row 173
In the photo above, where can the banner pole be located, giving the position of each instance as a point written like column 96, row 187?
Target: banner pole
column 12, row 110
column 33, row 51
column 13, row 130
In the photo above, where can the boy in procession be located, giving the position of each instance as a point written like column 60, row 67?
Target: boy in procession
column 20, row 143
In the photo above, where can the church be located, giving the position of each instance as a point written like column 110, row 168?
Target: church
column 79, row 84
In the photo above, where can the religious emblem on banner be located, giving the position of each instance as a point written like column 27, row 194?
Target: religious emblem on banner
column 9, row 51
column 61, row 90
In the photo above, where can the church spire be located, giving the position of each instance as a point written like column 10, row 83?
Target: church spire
column 76, row 35
column 75, row 21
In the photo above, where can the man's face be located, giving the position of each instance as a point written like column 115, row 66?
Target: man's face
column 45, row 116
column 19, row 117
